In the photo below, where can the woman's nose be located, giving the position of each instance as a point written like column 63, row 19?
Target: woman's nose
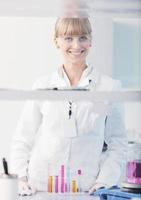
column 76, row 43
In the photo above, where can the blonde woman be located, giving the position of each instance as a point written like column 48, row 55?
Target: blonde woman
column 70, row 133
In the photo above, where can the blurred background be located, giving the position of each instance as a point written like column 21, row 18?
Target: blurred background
column 27, row 50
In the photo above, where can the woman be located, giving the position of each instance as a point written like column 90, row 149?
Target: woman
column 70, row 133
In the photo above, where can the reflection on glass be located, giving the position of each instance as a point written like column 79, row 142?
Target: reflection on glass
column 127, row 51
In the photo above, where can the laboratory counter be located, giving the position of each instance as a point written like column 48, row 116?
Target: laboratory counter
column 46, row 196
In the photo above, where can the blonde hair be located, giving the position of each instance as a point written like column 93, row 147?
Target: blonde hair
column 72, row 26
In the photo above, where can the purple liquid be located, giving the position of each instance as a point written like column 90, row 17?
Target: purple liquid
column 133, row 172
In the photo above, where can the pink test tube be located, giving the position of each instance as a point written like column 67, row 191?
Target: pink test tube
column 62, row 179
column 66, row 188
column 56, row 184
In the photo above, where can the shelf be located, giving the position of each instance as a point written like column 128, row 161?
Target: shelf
column 73, row 95
column 62, row 196
column 43, row 8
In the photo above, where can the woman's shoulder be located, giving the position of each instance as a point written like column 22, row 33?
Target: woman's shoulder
column 43, row 82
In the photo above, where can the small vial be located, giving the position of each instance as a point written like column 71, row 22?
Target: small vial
column 74, row 188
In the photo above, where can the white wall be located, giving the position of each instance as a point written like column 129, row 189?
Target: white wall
column 26, row 50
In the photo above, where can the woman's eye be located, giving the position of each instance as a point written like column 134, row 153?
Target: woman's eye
column 83, row 38
column 68, row 38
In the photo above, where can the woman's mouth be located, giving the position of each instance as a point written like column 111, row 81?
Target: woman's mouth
column 76, row 52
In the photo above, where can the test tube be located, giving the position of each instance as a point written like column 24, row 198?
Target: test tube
column 62, row 179
column 50, row 184
column 74, row 188
column 79, row 180
column 66, row 187
column 49, row 178
column 56, row 184
column 68, row 178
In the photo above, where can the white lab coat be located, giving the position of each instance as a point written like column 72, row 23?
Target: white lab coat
column 47, row 137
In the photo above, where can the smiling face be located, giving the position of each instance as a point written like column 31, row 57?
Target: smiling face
column 73, row 38
column 74, row 48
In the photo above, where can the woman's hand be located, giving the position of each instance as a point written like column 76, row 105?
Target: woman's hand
column 25, row 189
column 92, row 190
column 97, row 186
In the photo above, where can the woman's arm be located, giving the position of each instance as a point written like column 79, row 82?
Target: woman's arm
column 115, row 136
column 24, row 137
column 113, row 165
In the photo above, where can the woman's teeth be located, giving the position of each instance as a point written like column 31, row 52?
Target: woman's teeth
column 76, row 53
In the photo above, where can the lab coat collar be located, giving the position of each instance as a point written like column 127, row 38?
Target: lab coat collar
column 88, row 75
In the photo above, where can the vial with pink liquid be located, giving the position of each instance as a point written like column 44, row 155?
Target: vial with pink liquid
column 133, row 167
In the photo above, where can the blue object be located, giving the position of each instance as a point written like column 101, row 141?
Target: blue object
column 115, row 193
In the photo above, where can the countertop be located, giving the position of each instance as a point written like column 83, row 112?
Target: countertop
column 46, row 196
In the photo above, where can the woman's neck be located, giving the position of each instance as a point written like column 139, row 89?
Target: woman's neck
column 74, row 72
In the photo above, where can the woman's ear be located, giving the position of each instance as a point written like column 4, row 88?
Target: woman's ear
column 90, row 41
column 56, row 43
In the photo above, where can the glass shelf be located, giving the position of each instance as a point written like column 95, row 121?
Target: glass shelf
column 42, row 8
column 74, row 95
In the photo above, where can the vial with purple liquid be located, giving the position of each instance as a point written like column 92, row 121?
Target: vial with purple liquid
column 133, row 167
column 133, row 172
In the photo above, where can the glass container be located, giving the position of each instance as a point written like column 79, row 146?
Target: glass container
column 133, row 168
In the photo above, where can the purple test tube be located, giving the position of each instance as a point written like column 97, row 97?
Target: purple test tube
column 56, row 184
column 62, row 179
